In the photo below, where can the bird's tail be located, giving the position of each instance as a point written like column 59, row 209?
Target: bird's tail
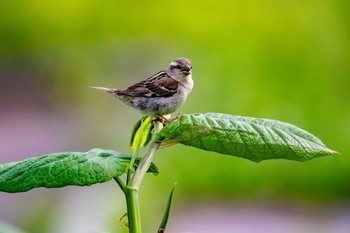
column 109, row 90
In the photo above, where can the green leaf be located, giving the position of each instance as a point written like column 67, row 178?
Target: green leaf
column 66, row 168
column 255, row 139
column 166, row 215
column 142, row 127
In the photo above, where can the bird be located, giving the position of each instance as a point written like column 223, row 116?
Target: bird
column 162, row 93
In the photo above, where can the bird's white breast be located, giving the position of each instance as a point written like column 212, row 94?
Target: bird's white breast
column 189, row 82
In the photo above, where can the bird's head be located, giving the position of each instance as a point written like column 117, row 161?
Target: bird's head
column 180, row 68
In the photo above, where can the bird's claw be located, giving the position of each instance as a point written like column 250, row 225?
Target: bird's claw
column 164, row 120
column 177, row 116
column 161, row 119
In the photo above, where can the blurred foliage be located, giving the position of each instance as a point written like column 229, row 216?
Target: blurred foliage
column 285, row 60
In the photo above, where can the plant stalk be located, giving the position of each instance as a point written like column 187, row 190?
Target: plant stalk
column 133, row 206
column 131, row 190
column 134, row 155
column 147, row 158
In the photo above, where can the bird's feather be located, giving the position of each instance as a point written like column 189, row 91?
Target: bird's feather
column 159, row 85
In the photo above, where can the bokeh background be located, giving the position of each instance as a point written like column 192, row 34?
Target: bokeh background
column 285, row 60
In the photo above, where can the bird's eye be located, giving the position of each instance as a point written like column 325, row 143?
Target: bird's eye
column 176, row 66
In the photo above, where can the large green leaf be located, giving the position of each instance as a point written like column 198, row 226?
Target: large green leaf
column 255, row 139
column 66, row 168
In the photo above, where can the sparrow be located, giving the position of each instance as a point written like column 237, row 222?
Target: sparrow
column 160, row 94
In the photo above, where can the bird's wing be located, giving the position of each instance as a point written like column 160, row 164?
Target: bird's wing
column 159, row 85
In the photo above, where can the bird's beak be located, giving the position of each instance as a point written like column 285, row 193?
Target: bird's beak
column 187, row 68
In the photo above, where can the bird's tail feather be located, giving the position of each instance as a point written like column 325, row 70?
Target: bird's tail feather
column 109, row 90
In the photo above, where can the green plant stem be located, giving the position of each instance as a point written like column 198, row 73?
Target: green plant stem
column 120, row 183
column 136, row 152
column 133, row 206
column 147, row 158
column 132, row 188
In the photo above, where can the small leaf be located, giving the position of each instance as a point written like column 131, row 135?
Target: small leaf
column 255, row 139
column 66, row 168
column 145, row 126
column 166, row 215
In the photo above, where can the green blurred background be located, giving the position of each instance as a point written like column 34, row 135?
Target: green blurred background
column 285, row 60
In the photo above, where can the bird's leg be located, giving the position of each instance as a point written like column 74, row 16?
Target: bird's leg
column 177, row 116
column 161, row 119
column 164, row 120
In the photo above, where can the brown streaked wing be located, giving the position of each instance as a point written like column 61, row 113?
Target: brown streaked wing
column 136, row 90
column 159, row 85
column 139, row 89
column 162, row 86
